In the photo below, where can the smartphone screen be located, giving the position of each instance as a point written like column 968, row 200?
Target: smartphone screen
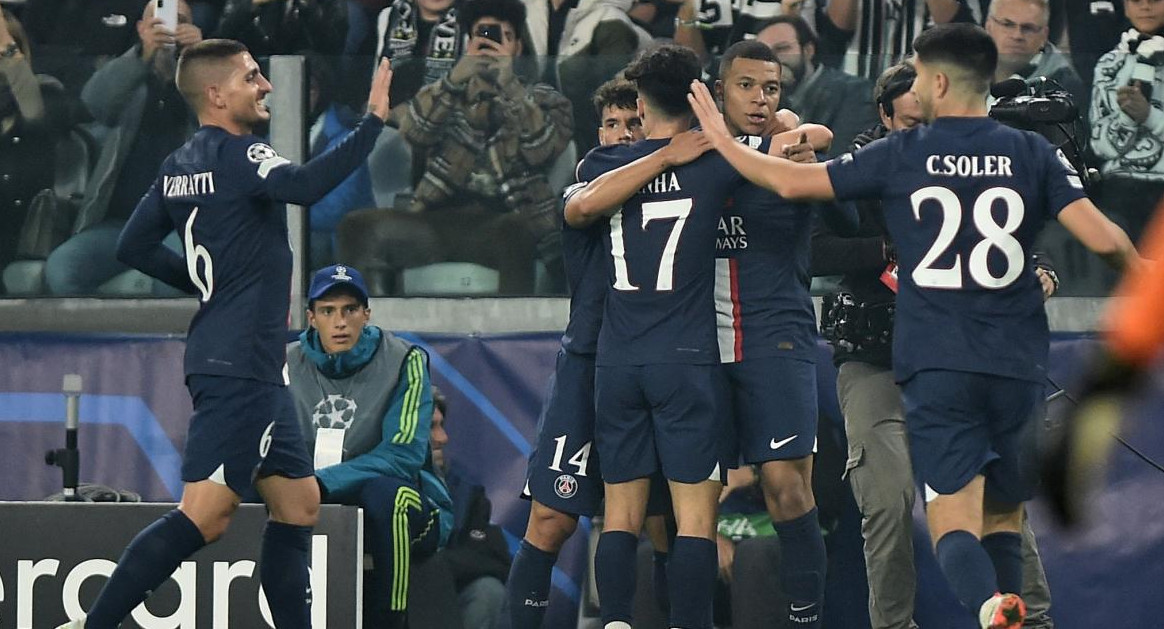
column 489, row 31
column 167, row 11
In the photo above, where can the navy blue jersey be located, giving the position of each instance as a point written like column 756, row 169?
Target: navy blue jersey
column 585, row 261
column 660, row 259
column 224, row 194
column 763, row 307
column 964, row 199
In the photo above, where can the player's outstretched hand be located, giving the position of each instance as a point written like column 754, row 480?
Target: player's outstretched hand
column 709, row 117
column 378, row 103
column 685, row 147
column 801, row 152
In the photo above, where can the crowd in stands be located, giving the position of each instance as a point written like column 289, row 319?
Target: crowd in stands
column 491, row 110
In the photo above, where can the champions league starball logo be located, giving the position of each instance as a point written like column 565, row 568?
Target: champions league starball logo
column 334, row 411
column 258, row 153
column 341, row 273
column 565, row 486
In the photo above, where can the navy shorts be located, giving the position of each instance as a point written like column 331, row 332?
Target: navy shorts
column 242, row 429
column 563, row 469
column 659, row 416
column 962, row 424
column 773, row 402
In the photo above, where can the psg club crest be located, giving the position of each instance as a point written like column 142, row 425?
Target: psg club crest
column 565, row 486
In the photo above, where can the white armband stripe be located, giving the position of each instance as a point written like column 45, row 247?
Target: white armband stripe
column 267, row 165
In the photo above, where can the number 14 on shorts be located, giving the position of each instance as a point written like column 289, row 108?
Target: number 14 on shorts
column 580, row 459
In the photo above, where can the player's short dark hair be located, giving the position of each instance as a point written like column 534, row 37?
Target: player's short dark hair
column 205, row 52
column 439, row 401
column 663, row 76
column 747, row 49
column 804, row 33
column 962, row 45
column 510, row 11
column 211, row 50
column 896, row 80
column 618, row 93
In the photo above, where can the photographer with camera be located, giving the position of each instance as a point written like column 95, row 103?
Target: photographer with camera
column 1127, row 118
column 1020, row 28
column 858, row 324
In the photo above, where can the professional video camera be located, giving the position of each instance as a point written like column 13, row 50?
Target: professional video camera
column 1043, row 106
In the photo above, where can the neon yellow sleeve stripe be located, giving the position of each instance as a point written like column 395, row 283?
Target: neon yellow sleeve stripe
column 406, row 498
column 410, row 410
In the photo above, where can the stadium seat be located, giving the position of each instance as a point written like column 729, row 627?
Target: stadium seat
column 126, row 284
column 390, row 167
column 450, row 278
column 76, row 154
column 25, row 278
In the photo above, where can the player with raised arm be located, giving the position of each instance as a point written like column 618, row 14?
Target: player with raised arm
column 964, row 198
column 223, row 191
column 767, row 330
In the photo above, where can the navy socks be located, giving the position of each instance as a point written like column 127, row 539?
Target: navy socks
column 147, row 562
column 803, row 561
column 528, row 586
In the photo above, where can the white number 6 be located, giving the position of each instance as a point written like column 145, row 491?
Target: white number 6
column 194, row 253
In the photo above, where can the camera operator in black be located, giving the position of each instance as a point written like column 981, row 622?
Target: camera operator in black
column 858, row 323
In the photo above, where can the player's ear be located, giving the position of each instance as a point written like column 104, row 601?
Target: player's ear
column 941, row 84
column 213, row 96
column 719, row 89
column 640, row 108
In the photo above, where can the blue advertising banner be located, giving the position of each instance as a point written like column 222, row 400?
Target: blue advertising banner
column 135, row 408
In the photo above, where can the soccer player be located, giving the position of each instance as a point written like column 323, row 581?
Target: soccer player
column 564, row 480
column 767, row 331
column 964, row 198
column 656, row 379
column 223, row 191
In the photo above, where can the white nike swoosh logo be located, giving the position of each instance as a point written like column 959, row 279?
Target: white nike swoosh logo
column 776, row 445
column 794, row 608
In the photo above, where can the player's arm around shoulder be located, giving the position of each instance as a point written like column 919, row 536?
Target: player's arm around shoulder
column 603, row 194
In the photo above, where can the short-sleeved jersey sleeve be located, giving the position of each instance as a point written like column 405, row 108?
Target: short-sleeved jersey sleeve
column 863, row 173
column 1063, row 184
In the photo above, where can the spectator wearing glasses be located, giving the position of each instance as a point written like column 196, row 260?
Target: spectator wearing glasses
column 1019, row 28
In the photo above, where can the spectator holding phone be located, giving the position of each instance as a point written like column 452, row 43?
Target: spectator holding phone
column 134, row 96
column 486, row 137
column 1127, row 116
